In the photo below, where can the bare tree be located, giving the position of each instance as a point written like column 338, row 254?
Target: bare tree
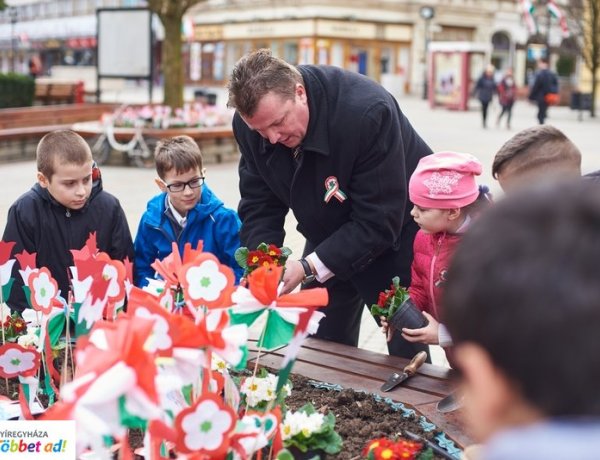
column 170, row 13
column 585, row 24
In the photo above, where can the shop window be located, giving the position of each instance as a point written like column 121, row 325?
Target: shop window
column 290, row 52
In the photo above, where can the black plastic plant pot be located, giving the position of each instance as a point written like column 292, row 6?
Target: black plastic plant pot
column 408, row 316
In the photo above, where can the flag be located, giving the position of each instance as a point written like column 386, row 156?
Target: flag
column 559, row 16
column 291, row 352
column 528, row 10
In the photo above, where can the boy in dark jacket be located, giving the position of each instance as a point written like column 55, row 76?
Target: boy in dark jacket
column 186, row 211
column 61, row 210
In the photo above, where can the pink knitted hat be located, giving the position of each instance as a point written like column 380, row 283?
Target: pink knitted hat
column 445, row 180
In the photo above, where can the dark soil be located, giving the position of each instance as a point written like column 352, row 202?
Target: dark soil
column 359, row 416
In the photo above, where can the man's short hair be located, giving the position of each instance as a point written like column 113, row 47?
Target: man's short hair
column 257, row 74
column 180, row 153
column 62, row 146
column 523, row 285
column 541, row 149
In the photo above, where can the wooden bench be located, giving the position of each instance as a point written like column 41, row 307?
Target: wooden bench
column 58, row 92
column 23, row 126
column 364, row 370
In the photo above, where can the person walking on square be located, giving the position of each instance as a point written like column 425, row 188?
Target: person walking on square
column 335, row 148
column 507, row 93
column 186, row 211
column 545, row 82
column 485, row 89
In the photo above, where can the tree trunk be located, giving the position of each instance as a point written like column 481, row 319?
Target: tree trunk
column 172, row 62
column 594, row 86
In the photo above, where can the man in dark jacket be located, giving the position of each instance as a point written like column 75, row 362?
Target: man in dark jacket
column 545, row 82
column 335, row 148
column 60, row 211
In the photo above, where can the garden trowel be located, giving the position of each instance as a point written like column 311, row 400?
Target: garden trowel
column 411, row 369
column 451, row 402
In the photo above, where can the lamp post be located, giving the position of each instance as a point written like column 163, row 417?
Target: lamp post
column 14, row 13
column 427, row 13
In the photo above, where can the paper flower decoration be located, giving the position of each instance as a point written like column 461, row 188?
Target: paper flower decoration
column 16, row 360
column 206, row 282
column 204, row 428
column 44, row 290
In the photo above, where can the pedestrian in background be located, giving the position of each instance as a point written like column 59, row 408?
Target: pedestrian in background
column 485, row 89
column 507, row 93
column 545, row 86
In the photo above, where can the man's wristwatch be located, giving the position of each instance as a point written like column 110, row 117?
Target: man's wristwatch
column 309, row 276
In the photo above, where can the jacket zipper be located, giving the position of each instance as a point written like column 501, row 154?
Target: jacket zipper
column 431, row 271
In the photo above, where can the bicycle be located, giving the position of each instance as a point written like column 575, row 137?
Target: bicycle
column 139, row 150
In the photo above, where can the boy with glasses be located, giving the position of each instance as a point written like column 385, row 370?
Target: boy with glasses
column 186, row 211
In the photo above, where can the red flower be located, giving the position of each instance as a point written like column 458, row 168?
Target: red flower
column 385, row 449
column 274, row 251
column 19, row 325
column 254, row 258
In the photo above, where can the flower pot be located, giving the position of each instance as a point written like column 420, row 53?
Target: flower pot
column 408, row 316
column 308, row 455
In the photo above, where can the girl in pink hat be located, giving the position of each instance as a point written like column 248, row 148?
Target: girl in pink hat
column 445, row 196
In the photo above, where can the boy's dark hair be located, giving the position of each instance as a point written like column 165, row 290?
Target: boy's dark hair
column 60, row 147
column 523, row 285
column 180, row 153
column 257, row 74
column 541, row 147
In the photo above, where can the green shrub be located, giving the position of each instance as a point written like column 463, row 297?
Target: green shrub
column 565, row 65
column 16, row 90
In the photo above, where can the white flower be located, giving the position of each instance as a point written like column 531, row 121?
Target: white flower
column 300, row 422
column 261, row 389
column 217, row 364
column 30, row 339
column 205, row 281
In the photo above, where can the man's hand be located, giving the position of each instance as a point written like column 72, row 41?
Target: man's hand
column 427, row 334
column 292, row 276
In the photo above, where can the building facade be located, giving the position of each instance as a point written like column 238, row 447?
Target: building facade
column 383, row 39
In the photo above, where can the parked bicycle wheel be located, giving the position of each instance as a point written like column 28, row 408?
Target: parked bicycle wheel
column 101, row 149
column 142, row 155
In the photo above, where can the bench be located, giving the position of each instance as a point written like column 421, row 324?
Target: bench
column 22, row 127
column 216, row 143
column 48, row 92
column 365, row 370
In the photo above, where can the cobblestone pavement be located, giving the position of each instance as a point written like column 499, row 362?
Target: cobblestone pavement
column 442, row 129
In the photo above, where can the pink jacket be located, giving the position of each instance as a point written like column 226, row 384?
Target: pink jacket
column 432, row 253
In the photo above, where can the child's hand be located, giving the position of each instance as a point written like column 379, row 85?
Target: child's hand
column 386, row 329
column 427, row 334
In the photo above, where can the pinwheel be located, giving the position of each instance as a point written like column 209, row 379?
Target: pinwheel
column 282, row 311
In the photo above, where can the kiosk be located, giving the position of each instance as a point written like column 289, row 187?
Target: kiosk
column 453, row 69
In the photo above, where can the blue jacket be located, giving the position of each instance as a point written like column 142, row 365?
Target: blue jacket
column 217, row 226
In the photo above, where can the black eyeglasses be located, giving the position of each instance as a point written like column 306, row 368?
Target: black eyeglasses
column 180, row 186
